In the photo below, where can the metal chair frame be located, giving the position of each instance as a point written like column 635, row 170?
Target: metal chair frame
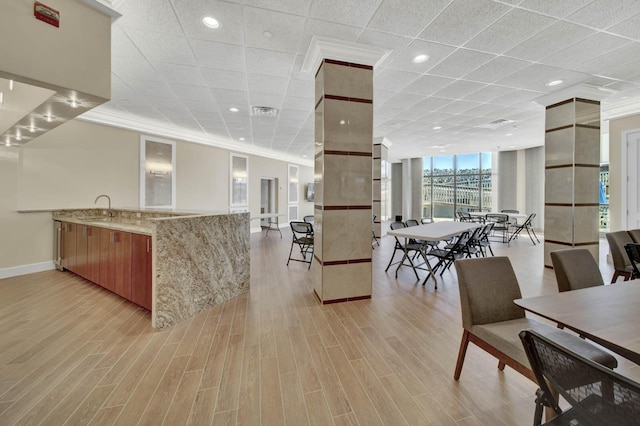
column 303, row 237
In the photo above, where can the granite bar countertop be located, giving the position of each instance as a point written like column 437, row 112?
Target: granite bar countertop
column 137, row 227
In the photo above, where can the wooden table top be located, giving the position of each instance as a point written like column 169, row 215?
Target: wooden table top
column 608, row 315
column 437, row 231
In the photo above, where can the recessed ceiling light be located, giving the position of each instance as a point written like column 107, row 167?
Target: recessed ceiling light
column 437, row 128
column 233, row 109
column 555, row 83
column 18, row 135
column 512, row 146
column 443, row 150
column 32, row 128
column 509, row 134
column 1, row 98
column 420, row 59
column 10, row 84
column 8, row 143
column 342, row 122
column 241, row 139
column 304, row 155
column 267, row 34
column 49, row 118
column 74, row 103
column 211, row 22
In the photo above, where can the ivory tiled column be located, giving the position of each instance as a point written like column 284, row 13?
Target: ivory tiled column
column 572, row 164
column 343, row 175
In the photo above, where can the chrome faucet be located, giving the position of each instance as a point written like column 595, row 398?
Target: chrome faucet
column 108, row 198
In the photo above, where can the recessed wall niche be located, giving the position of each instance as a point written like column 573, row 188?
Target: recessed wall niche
column 157, row 173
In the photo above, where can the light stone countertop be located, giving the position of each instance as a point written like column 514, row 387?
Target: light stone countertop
column 112, row 223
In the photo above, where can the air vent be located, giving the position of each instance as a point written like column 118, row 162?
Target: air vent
column 263, row 111
column 497, row 124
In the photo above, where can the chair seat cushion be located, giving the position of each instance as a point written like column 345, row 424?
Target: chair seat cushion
column 504, row 337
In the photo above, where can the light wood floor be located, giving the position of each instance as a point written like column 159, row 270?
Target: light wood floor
column 72, row 353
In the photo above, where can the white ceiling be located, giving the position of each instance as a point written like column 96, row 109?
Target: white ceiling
column 489, row 60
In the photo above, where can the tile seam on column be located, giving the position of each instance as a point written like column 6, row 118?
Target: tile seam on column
column 346, row 99
column 347, row 64
column 566, row 166
column 352, row 153
column 568, row 126
column 572, row 205
column 342, row 207
column 561, row 243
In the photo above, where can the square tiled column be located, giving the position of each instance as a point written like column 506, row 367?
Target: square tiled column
column 343, row 178
column 380, row 187
column 572, row 165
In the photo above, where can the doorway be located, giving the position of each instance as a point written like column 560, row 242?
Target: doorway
column 632, row 141
column 268, row 198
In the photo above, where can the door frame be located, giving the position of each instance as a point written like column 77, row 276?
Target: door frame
column 626, row 182
column 273, row 201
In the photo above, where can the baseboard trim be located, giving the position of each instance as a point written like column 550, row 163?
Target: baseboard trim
column 26, row 269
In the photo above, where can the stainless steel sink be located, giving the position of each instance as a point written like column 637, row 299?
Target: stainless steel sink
column 96, row 219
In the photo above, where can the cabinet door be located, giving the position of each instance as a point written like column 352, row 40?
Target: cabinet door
column 93, row 254
column 107, row 277
column 141, row 285
column 122, row 259
column 69, row 246
column 81, row 250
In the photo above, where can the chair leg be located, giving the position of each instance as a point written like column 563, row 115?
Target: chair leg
column 391, row 260
column 501, row 365
column 290, row 251
column 461, row 354
column 626, row 276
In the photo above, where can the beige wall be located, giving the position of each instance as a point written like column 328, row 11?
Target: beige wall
column 616, row 127
column 72, row 164
column 77, row 55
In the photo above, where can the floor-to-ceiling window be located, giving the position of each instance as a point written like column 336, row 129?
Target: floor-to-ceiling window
column 456, row 182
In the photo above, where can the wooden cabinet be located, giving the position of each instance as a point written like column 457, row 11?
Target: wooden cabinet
column 115, row 261
column 141, row 270
column 88, row 252
column 68, row 258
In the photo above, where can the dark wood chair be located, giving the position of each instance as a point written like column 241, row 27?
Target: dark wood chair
column 575, row 268
column 621, row 263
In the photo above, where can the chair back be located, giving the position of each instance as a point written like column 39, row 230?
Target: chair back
column 463, row 216
column 308, row 218
column 426, row 220
column 598, row 395
column 617, row 240
column 488, row 286
column 411, row 222
column 496, row 218
column 397, row 225
column 635, row 235
column 575, row 268
column 633, row 252
column 301, row 230
column 510, row 211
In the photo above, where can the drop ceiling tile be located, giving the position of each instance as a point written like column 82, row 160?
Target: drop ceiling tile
column 460, row 63
column 163, row 47
column 180, row 74
column 230, row 97
column 267, row 84
column 462, row 20
column 208, row 117
column 605, row 13
column 436, row 52
column 291, row 122
column 510, row 30
column 186, row 123
column 162, row 102
column 209, row 107
column 393, row 80
column 395, row 43
column 610, row 61
column 296, row 7
column 406, row 17
column 267, row 62
column 554, row 8
column 627, row 28
column 487, row 110
column 348, row 12
column 149, row 15
column 530, row 76
column 301, row 89
column 432, row 103
column 266, row 99
column 414, row 114
column 219, row 55
column 458, row 107
column 293, row 114
column 297, row 72
column 315, row 27
column 222, row 79
column 229, row 15
column 459, row 89
column 151, row 88
column 403, row 100
column 585, row 50
column 427, row 85
column 517, row 97
column 488, row 93
column 496, row 69
column 559, row 36
column 286, row 30
column 126, row 68
column 381, row 96
column 191, row 93
column 298, row 103
column 122, row 45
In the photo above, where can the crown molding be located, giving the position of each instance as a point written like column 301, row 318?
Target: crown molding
column 124, row 121
column 620, row 109
column 329, row 48
column 383, row 141
column 105, row 7
column 584, row 91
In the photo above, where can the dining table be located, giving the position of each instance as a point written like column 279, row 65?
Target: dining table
column 436, row 231
column 272, row 220
column 608, row 314
column 512, row 216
